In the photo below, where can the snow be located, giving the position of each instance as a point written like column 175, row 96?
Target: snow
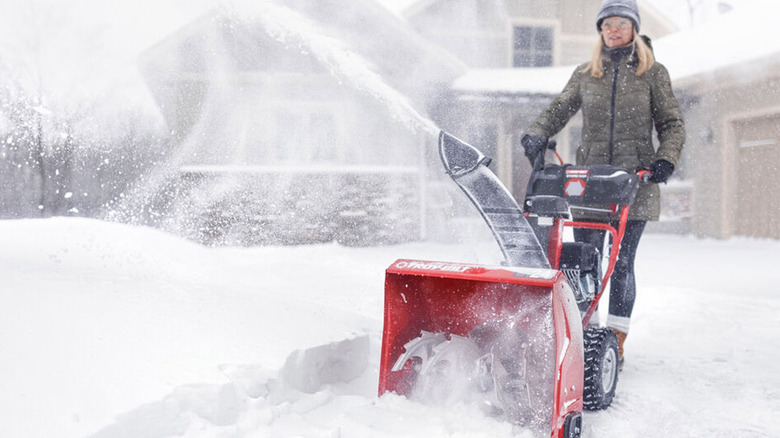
column 539, row 80
column 398, row 7
column 736, row 38
column 108, row 330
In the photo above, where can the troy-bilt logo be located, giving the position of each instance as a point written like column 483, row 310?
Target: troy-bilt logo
column 575, row 182
column 424, row 266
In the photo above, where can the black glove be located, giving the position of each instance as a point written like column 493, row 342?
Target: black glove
column 661, row 171
column 533, row 146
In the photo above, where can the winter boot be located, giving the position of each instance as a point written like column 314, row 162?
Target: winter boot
column 621, row 338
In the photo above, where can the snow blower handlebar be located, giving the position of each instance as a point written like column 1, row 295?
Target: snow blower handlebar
column 644, row 175
column 538, row 163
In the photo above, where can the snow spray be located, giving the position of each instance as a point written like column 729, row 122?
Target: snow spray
column 213, row 160
column 289, row 27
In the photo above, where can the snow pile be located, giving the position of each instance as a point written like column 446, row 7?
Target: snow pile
column 254, row 395
column 310, row 396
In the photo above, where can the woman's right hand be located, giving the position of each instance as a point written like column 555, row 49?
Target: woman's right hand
column 533, row 146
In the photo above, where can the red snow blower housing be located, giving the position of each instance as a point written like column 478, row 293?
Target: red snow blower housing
column 513, row 339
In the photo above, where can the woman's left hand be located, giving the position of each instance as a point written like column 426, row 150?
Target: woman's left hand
column 661, row 170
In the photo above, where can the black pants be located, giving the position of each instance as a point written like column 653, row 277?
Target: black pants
column 622, row 291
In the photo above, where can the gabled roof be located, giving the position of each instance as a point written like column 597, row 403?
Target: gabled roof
column 538, row 80
column 737, row 39
column 649, row 11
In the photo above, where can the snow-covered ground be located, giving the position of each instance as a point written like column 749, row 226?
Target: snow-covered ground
column 112, row 331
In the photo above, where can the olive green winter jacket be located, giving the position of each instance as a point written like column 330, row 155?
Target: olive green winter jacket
column 619, row 112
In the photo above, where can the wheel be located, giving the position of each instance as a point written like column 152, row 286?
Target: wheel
column 601, row 367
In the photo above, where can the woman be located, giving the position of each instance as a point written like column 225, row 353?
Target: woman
column 623, row 93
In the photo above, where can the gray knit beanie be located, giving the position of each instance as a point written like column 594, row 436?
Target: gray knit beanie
column 619, row 8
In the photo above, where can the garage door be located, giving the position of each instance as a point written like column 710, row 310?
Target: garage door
column 758, row 177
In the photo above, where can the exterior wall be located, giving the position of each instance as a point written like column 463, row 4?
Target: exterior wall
column 757, row 142
column 733, row 142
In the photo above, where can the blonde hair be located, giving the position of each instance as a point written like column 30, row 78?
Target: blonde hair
column 642, row 50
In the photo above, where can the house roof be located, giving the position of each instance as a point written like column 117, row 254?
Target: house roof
column 538, row 80
column 650, row 11
column 737, row 39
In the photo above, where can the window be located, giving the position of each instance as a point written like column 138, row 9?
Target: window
column 532, row 46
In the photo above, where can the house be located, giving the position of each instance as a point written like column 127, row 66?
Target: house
column 354, row 89
column 729, row 76
column 299, row 121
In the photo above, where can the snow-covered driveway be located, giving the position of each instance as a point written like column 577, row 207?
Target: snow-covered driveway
column 113, row 331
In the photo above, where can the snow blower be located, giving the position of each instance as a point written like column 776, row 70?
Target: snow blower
column 514, row 338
